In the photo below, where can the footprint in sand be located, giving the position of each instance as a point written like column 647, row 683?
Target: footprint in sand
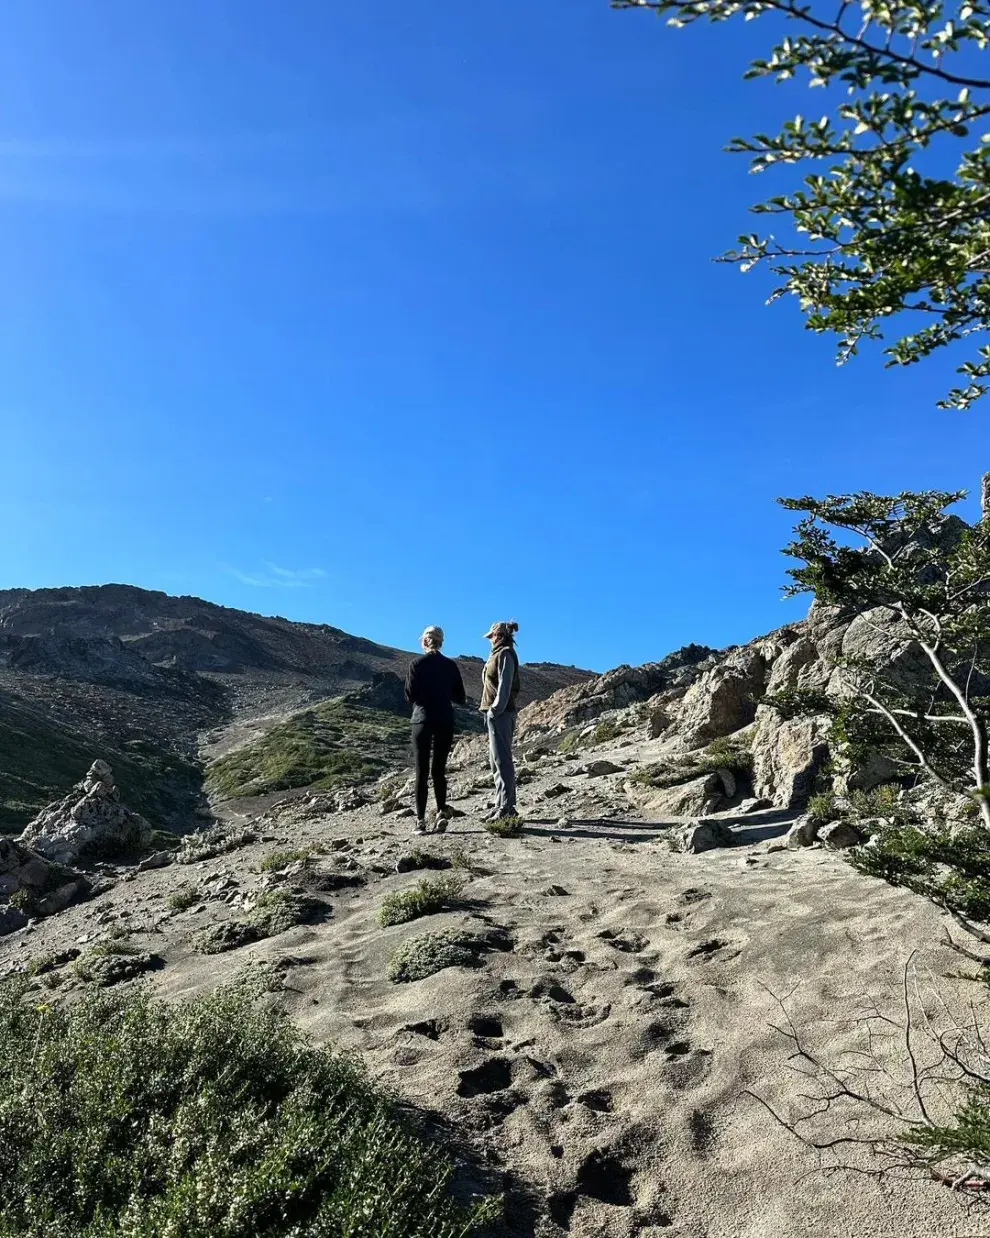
column 628, row 943
column 485, row 1028
column 432, row 1029
column 494, row 1075
column 715, row 948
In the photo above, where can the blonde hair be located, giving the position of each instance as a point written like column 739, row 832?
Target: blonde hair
column 504, row 631
column 432, row 638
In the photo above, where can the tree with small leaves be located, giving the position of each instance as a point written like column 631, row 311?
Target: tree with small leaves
column 920, row 578
column 887, row 235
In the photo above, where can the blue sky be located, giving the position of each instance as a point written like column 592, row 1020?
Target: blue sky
column 386, row 315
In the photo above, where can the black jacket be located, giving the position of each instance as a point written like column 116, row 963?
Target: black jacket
column 433, row 687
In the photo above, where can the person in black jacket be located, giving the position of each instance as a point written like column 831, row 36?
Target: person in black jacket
column 433, row 687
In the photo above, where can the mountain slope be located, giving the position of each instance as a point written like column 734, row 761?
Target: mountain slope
column 114, row 671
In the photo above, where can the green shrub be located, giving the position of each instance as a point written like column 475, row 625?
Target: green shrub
column 952, row 869
column 334, row 744
column 425, row 899
column 726, row 753
column 24, row 900
column 183, row 898
column 132, row 1118
column 213, row 841
column 882, row 801
column 505, row 827
column 282, row 859
column 276, row 911
column 227, row 935
column 432, row 952
column 821, row 807
column 606, row 731
column 112, row 961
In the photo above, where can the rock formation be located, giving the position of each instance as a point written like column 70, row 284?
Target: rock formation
column 91, row 820
column 33, row 886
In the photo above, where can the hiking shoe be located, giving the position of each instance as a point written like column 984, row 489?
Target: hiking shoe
column 440, row 821
column 420, row 826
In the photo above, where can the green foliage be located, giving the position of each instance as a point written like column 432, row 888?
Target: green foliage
column 423, row 956
column 24, row 900
column 821, row 807
column 213, row 841
column 42, row 759
column 427, row 898
column 282, row 859
column 227, row 935
column 950, row 868
column 727, row 753
column 331, row 745
column 131, row 1118
column 505, row 827
column 183, row 898
column 112, row 961
column 922, row 578
column 276, row 911
column 872, row 235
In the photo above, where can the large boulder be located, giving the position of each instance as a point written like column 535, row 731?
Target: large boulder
column 695, row 798
column 33, row 886
column 788, row 756
column 91, row 820
column 705, row 836
column 724, row 699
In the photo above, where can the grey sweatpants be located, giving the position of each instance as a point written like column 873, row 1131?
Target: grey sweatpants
column 500, row 732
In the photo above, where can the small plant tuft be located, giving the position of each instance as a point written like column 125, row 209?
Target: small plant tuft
column 183, row 898
column 432, row 952
column 505, row 827
column 425, row 899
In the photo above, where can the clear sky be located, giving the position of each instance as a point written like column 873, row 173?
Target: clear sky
column 384, row 315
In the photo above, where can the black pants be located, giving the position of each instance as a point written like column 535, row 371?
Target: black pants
column 432, row 742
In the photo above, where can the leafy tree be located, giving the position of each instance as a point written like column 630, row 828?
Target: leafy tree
column 920, row 578
column 887, row 234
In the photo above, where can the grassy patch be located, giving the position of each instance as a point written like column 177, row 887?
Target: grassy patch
column 276, row 911
column 41, row 759
column 109, row 962
column 328, row 746
column 183, row 898
column 425, row 899
column 720, row 754
column 132, row 1118
column 505, row 827
column 282, row 859
column 432, row 952
column 214, row 841
column 228, row 935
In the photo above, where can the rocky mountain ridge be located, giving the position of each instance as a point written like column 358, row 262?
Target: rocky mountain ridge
column 158, row 685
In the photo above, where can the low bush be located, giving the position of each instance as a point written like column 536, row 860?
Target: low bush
column 213, row 841
column 505, row 827
column 425, row 899
column 183, row 898
column 951, row 868
column 423, row 956
column 282, row 859
column 132, row 1118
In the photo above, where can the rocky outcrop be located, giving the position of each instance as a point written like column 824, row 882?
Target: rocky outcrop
column 695, row 797
column 723, row 700
column 616, row 689
column 91, row 820
column 31, row 886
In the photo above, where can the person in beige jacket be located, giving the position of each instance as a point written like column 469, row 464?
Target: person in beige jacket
column 500, row 688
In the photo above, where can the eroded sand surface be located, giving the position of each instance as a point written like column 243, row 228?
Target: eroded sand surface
column 600, row 1068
